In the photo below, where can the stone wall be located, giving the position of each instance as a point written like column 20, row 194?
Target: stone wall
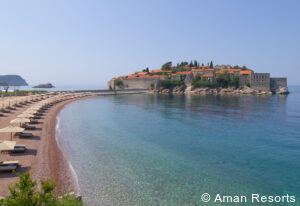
column 260, row 81
column 244, row 80
column 144, row 83
column 277, row 84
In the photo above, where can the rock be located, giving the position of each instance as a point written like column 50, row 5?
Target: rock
column 283, row 90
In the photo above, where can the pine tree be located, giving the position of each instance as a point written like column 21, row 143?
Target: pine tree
column 211, row 64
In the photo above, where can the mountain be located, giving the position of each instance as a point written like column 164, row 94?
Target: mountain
column 13, row 80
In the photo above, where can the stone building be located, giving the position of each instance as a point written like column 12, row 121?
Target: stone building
column 260, row 81
column 245, row 78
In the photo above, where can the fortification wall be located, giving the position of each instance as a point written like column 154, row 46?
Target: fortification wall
column 277, row 83
column 260, row 81
column 144, row 83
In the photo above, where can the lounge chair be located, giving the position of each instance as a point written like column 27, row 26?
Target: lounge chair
column 17, row 105
column 28, row 127
column 14, row 162
column 16, row 149
column 23, row 134
column 19, row 149
column 5, row 111
column 33, row 121
column 10, row 108
column 8, row 166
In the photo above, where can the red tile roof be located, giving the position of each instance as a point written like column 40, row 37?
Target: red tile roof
column 246, row 72
column 210, row 75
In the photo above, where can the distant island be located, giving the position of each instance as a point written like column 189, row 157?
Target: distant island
column 48, row 85
column 196, row 78
column 12, row 80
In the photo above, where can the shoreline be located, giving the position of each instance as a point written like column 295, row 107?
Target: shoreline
column 44, row 157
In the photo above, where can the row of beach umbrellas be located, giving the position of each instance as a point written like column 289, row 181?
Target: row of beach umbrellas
column 34, row 109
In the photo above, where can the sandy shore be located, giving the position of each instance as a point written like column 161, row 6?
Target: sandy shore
column 43, row 158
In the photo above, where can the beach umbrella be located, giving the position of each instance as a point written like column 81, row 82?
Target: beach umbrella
column 7, row 145
column 20, row 120
column 24, row 115
column 11, row 129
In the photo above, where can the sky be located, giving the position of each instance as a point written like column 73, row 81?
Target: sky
column 86, row 43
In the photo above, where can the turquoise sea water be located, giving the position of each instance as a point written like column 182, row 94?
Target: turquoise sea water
column 149, row 149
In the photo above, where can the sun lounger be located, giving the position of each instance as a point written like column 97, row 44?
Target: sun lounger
column 33, row 121
column 14, row 162
column 5, row 111
column 28, row 127
column 18, row 149
column 23, row 134
column 18, row 105
column 8, row 168
column 10, row 108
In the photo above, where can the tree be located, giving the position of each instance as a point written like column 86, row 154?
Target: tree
column 146, row 70
column 166, row 66
column 119, row 82
column 211, row 65
column 195, row 63
column 5, row 86
column 191, row 64
column 244, row 68
column 236, row 67
column 26, row 193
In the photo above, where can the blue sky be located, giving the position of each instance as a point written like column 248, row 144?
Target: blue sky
column 88, row 42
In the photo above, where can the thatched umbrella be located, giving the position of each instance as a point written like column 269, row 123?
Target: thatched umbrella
column 25, row 115
column 20, row 120
column 7, row 145
column 11, row 129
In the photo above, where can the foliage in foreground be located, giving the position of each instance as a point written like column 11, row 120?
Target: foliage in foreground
column 26, row 193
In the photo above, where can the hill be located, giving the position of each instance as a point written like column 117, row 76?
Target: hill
column 13, row 80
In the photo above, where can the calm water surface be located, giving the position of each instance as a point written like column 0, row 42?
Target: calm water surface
column 167, row 150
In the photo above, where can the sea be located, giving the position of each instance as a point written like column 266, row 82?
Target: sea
column 184, row 150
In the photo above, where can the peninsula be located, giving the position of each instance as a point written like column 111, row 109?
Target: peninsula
column 196, row 78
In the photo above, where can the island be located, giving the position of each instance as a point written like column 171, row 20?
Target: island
column 48, row 85
column 196, row 78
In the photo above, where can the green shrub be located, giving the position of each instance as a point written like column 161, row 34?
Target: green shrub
column 248, row 85
column 170, row 84
column 26, row 193
column 152, row 86
column 119, row 82
column 202, row 83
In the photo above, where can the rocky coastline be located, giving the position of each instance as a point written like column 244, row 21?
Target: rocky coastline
column 205, row 91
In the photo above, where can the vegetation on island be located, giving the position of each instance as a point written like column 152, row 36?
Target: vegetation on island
column 203, row 83
column 27, row 192
column 170, row 83
column 119, row 82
